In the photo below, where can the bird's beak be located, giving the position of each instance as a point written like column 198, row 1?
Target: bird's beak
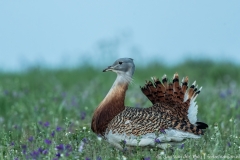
column 109, row 68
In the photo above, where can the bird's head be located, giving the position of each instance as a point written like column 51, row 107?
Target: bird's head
column 122, row 66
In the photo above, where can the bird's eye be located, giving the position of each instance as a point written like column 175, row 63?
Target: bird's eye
column 120, row 62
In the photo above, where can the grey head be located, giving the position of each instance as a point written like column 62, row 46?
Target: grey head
column 122, row 66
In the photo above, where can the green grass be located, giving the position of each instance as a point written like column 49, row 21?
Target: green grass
column 46, row 114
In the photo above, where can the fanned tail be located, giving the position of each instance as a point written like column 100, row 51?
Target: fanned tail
column 179, row 96
column 159, row 92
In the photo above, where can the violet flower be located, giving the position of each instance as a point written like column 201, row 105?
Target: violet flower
column 68, row 147
column 24, row 148
column 30, row 139
column 58, row 129
column 40, row 150
column 34, row 154
column 99, row 158
column 53, row 133
column 45, row 152
column 58, row 155
column 46, row 124
column 182, row 146
column 162, row 131
column 60, row 147
column 85, row 140
column 48, row 141
column 229, row 144
column 83, row 115
column 157, row 141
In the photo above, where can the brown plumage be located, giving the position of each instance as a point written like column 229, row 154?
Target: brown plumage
column 173, row 108
column 105, row 112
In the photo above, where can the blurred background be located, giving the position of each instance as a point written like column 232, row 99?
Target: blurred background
column 59, row 34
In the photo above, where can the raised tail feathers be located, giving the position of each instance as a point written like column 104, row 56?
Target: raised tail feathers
column 173, row 93
column 164, row 91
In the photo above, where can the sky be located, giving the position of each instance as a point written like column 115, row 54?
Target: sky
column 62, row 33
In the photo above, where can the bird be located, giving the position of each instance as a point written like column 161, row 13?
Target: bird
column 170, row 120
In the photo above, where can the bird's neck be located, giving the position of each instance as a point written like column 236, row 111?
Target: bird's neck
column 111, row 105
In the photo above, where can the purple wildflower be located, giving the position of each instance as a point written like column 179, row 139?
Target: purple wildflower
column 60, row 147
column 40, row 122
column 162, row 131
column 85, row 140
column 182, row 146
column 53, row 133
column 46, row 124
column 222, row 95
column 30, row 139
column 229, row 144
column 87, row 158
column 34, row 154
column 48, row 141
column 45, row 152
column 15, row 158
column 68, row 147
column 99, row 158
column 40, row 150
column 147, row 158
column 83, row 115
column 58, row 155
column 66, row 154
column 58, row 129
column 12, row 144
column 15, row 127
column 157, row 141
column 24, row 148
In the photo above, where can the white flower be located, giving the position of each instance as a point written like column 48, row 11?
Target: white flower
column 99, row 138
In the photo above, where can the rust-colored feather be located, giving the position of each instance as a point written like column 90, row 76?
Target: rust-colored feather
column 169, row 92
column 191, row 90
column 185, row 85
column 178, row 94
column 161, row 90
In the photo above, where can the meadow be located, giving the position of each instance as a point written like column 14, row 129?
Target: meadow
column 46, row 113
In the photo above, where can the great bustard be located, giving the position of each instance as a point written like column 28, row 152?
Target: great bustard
column 171, row 119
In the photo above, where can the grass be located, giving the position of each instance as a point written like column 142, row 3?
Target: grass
column 46, row 114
